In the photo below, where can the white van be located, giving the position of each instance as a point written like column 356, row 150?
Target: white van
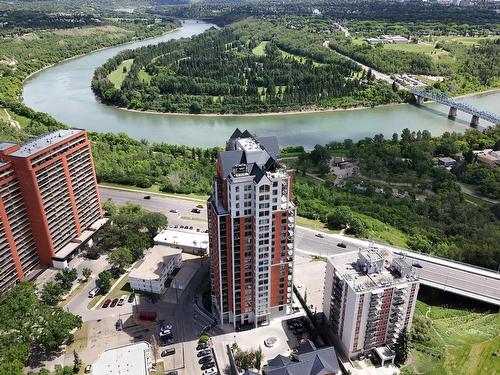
column 94, row 292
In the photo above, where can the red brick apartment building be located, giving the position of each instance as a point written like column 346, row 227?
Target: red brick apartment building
column 49, row 202
column 251, row 221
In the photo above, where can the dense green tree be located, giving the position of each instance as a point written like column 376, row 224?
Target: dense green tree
column 120, row 257
column 66, row 278
column 339, row 217
column 51, row 293
column 402, row 347
column 26, row 323
column 104, row 281
column 86, row 272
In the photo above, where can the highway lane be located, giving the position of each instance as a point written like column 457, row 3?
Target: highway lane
column 449, row 275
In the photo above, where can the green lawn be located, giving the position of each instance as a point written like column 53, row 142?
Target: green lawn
column 468, row 40
column 117, row 76
column 260, row 50
column 300, row 59
column 423, row 48
column 378, row 231
column 122, row 288
column 459, row 342
column 144, row 76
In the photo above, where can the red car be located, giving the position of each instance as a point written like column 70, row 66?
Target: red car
column 114, row 302
column 106, row 303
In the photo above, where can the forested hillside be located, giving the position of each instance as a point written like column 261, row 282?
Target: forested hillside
column 251, row 66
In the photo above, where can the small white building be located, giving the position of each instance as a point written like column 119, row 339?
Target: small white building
column 133, row 359
column 188, row 240
column 158, row 265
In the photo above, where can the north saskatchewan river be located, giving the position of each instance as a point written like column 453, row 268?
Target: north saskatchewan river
column 64, row 92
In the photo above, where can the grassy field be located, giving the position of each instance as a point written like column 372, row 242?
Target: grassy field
column 468, row 40
column 300, row 59
column 459, row 342
column 423, row 48
column 378, row 231
column 144, row 76
column 260, row 50
column 117, row 76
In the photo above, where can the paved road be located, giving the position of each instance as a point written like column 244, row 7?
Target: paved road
column 378, row 75
column 449, row 276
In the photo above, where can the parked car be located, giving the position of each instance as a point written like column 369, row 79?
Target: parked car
column 199, row 206
column 88, row 369
column 122, row 300
column 114, row 302
column 417, row 265
column 195, row 210
column 201, row 346
column 205, row 352
column 147, row 197
column 205, row 359
column 174, row 211
column 106, row 303
column 131, row 298
column 165, row 332
column 169, row 351
column 320, row 235
column 210, row 371
column 207, row 365
column 165, row 327
column 173, row 372
column 166, row 341
column 93, row 292
column 342, row 245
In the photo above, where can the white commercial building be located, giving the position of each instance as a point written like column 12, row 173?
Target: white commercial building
column 188, row 240
column 158, row 264
column 369, row 298
column 133, row 359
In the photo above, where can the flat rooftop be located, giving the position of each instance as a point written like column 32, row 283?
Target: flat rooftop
column 347, row 269
column 130, row 359
column 153, row 262
column 76, row 242
column 41, row 143
column 182, row 237
column 6, row 145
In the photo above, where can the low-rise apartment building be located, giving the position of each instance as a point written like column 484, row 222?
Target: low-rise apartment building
column 158, row 265
column 369, row 298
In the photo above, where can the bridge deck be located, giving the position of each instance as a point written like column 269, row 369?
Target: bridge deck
column 442, row 98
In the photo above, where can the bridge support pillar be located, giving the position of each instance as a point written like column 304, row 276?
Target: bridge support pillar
column 474, row 123
column 452, row 115
column 419, row 100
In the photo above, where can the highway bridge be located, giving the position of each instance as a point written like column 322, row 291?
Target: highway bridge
column 442, row 98
column 447, row 275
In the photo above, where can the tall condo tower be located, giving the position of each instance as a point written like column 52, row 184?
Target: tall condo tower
column 251, row 220
column 48, row 199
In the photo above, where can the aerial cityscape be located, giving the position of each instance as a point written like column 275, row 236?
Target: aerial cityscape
column 250, row 187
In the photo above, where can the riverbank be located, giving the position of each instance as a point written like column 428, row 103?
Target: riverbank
column 95, row 51
column 295, row 112
column 258, row 114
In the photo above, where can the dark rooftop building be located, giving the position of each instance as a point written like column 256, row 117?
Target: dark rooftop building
column 307, row 361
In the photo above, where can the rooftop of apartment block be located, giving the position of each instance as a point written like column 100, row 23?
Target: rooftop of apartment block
column 371, row 269
column 154, row 260
column 43, row 142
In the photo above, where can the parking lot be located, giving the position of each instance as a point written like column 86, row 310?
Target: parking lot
column 309, row 276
